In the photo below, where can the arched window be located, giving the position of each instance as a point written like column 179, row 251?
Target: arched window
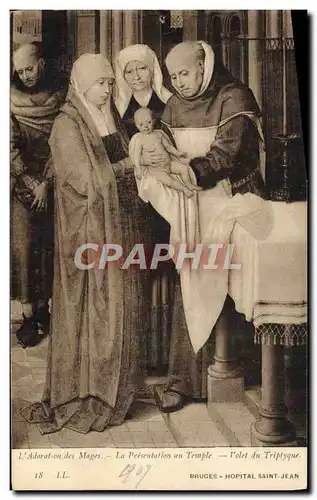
column 214, row 35
column 235, row 26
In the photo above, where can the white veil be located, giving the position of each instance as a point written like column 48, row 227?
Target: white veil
column 146, row 55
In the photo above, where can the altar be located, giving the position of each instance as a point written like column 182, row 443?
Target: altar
column 270, row 289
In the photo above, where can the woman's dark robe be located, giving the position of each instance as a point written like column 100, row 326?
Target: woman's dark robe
column 97, row 322
column 160, row 286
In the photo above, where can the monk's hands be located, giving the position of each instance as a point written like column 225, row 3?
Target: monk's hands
column 184, row 158
column 40, row 197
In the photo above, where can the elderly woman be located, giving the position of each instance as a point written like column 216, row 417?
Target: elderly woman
column 140, row 84
column 93, row 360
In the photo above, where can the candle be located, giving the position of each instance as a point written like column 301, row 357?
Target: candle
column 284, row 74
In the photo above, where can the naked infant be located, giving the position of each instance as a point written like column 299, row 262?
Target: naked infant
column 150, row 140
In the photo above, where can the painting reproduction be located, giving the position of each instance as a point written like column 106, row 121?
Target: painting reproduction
column 158, row 250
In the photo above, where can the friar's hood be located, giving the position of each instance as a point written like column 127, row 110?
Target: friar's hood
column 206, row 108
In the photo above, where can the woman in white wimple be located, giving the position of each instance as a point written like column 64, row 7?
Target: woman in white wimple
column 139, row 83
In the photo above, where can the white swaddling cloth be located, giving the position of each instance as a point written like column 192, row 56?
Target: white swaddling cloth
column 208, row 219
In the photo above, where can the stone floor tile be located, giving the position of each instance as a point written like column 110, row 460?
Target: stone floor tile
column 20, row 370
column 23, row 381
column 22, row 363
column 206, row 440
column 16, row 309
column 162, row 436
column 39, row 363
column 121, row 427
column 238, row 418
column 16, row 405
column 200, row 433
column 157, row 425
column 192, row 426
column 209, row 429
column 14, row 340
column 39, row 378
column 15, row 392
column 136, row 425
column 142, row 444
column 19, row 435
column 189, row 442
column 39, row 356
column 36, row 439
column 145, row 411
column 53, row 445
column 18, row 354
column 33, row 393
column 171, row 444
column 182, row 425
column 191, row 412
column 119, row 436
column 38, row 370
column 141, row 436
column 123, row 445
column 67, row 438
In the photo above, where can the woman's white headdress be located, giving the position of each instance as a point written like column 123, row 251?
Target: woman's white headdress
column 144, row 54
column 87, row 69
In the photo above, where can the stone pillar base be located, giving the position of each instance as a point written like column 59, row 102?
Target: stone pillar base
column 225, row 390
column 284, row 438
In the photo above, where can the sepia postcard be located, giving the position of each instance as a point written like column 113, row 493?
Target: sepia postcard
column 158, row 210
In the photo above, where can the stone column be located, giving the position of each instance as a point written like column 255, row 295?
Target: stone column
column 273, row 23
column 288, row 27
column 224, row 45
column 225, row 377
column 242, row 41
column 87, row 32
column 106, row 33
column 117, row 32
column 190, row 25
column 130, row 27
column 118, row 29
column 255, row 54
column 273, row 428
column 71, row 37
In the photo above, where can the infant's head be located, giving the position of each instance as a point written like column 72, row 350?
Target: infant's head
column 143, row 119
